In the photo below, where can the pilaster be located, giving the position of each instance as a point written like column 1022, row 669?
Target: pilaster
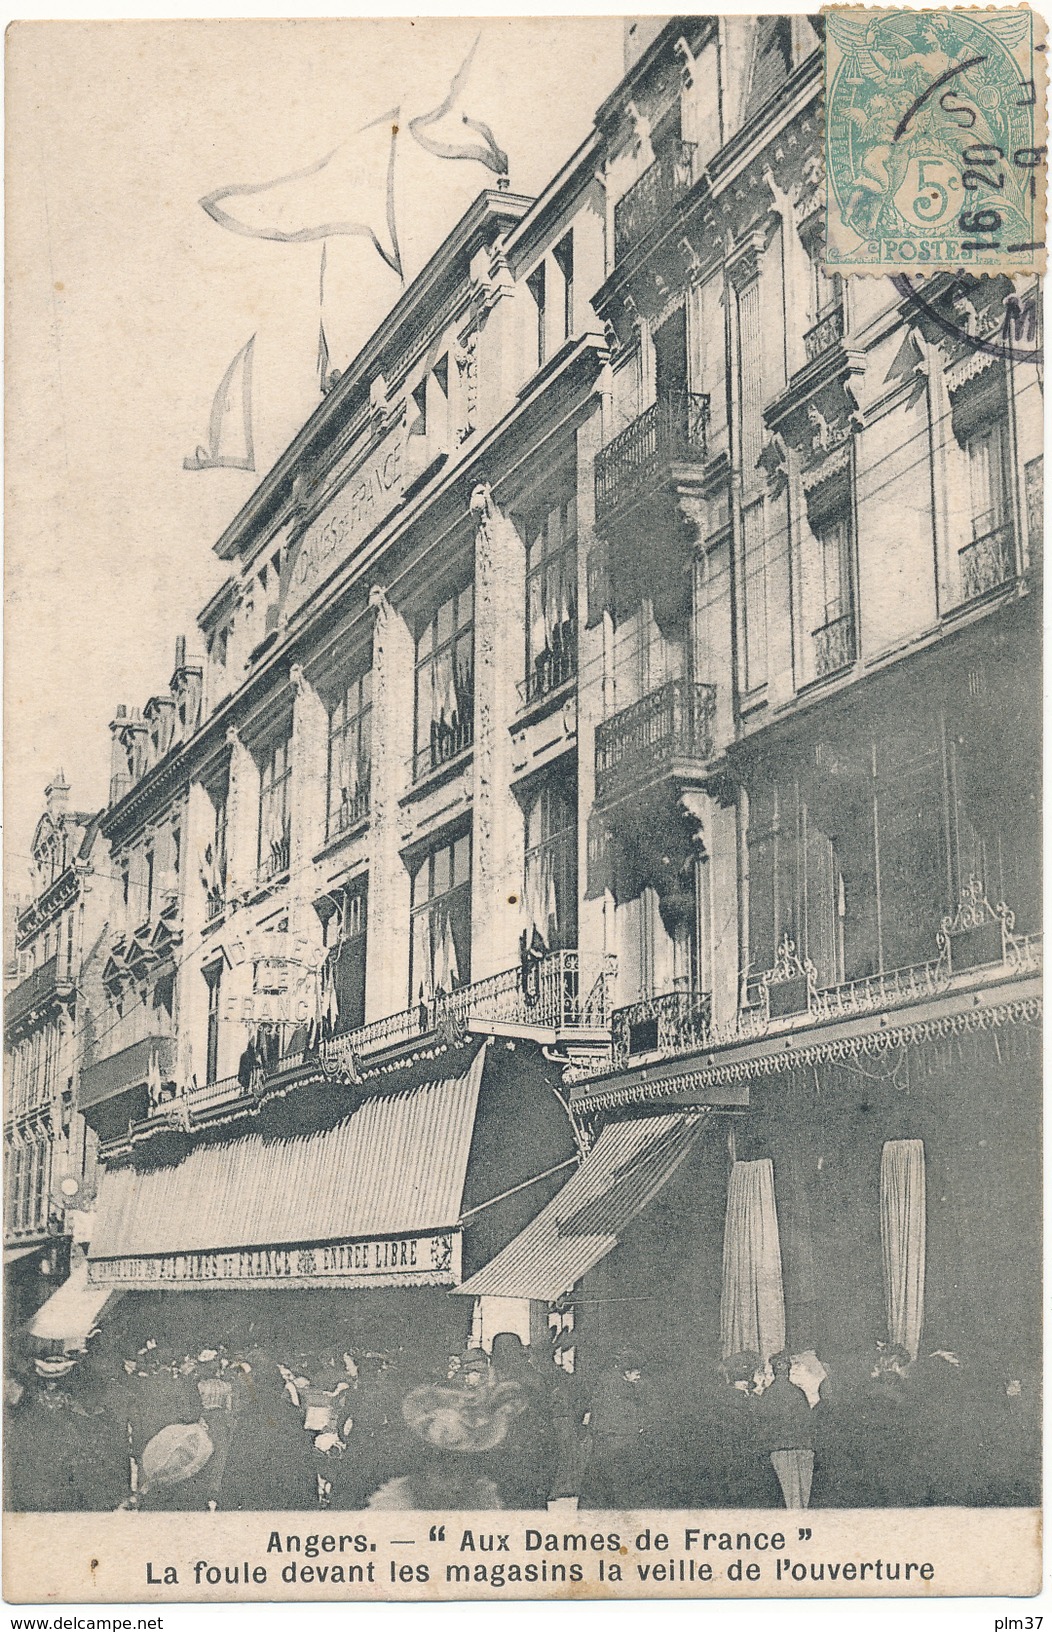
column 387, row 963
column 307, row 794
column 242, row 819
column 497, row 857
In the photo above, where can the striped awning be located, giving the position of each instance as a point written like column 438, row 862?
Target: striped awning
column 628, row 1166
column 395, row 1167
column 72, row 1310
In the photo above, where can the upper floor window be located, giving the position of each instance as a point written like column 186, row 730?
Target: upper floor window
column 342, row 988
column 350, row 755
column 987, row 560
column 536, row 283
column 274, row 809
column 833, row 634
column 563, row 258
column 551, row 598
column 213, row 978
column 445, row 682
column 428, row 419
column 550, row 894
column 440, row 951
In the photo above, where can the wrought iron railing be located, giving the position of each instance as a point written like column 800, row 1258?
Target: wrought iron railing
column 672, row 1023
column 675, row 428
column 834, row 645
column 826, row 333
column 216, row 904
column 446, row 742
column 275, row 861
column 550, row 671
column 350, row 811
column 986, row 563
column 651, row 198
column 675, row 722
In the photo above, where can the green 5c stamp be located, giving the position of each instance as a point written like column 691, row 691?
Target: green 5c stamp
column 935, row 133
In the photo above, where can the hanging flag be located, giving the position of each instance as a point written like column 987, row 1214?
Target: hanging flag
column 443, row 131
column 230, row 425
column 153, row 1080
column 349, row 192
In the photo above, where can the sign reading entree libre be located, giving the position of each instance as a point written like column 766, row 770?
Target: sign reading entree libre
column 423, row 1260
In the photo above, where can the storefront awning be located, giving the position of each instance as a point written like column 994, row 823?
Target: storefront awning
column 315, row 1209
column 13, row 1254
column 628, row 1166
column 72, row 1309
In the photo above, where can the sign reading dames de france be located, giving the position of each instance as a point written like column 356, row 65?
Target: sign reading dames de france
column 423, row 1260
column 366, row 497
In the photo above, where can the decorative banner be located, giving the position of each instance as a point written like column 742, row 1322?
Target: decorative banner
column 422, row 1260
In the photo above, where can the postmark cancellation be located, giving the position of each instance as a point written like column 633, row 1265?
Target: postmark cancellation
column 935, row 139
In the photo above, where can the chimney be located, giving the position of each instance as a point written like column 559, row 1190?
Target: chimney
column 57, row 795
column 180, row 652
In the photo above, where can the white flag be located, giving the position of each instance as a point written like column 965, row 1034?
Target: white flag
column 230, row 426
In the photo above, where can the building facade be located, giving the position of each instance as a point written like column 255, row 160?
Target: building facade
column 632, row 668
column 49, row 1159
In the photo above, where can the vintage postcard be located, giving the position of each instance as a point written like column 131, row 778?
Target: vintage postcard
column 523, row 915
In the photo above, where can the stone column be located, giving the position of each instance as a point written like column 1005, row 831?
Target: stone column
column 387, row 962
column 497, row 852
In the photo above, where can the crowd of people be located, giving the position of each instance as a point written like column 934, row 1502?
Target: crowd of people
column 253, row 1428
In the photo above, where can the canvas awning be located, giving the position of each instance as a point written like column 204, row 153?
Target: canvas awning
column 72, row 1309
column 315, row 1209
column 13, row 1254
column 626, row 1169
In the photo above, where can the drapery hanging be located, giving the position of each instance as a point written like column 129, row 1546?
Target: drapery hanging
column 752, row 1308
column 902, row 1239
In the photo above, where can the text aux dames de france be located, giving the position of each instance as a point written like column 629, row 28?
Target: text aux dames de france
column 499, row 1559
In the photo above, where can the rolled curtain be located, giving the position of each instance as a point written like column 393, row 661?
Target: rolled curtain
column 902, row 1239
column 752, row 1308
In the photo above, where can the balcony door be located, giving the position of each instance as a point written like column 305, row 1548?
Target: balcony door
column 670, row 358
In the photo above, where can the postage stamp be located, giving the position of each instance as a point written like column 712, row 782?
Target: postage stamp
column 935, row 133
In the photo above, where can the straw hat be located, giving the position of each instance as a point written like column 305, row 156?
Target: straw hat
column 175, row 1454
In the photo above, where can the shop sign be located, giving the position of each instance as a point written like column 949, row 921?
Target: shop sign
column 366, row 498
column 422, row 1260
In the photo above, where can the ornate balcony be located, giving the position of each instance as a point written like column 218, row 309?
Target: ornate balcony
column 48, row 984
column 668, row 732
column 673, row 1023
column 672, row 431
column 129, row 1067
column 986, row 563
column 834, row 645
column 653, row 196
column 826, row 333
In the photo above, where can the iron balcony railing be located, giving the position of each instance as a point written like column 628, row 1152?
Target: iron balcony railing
column 444, row 744
column 566, row 991
column 350, row 812
column 275, row 861
column 826, row 333
column 672, row 1023
column 669, row 725
column 550, row 671
column 672, row 430
column 834, row 645
column 651, row 198
column 986, row 563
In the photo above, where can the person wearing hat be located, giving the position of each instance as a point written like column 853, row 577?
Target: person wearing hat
column 786, row 1431
column 617, row 1430
column 522, row 1462
column 735, row 1451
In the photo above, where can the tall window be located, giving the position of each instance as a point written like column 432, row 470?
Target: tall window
column 536, row 283
column 980, row 416
column 551, row 598
column 148, row 885
column 445, row 682
column 213, row 976
column 563, row 257
column 350, row 755
column 274, row 814
column 550, row 894
column 345, row 919
column 834, row 634
column 440, row 958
